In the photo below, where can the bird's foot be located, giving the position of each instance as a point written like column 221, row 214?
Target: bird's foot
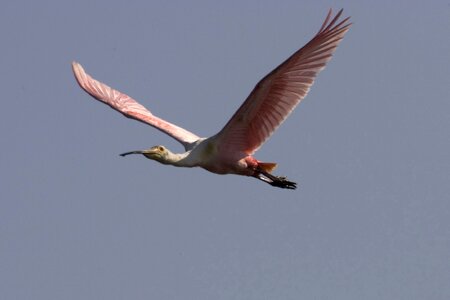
column 278, row 181
column 281, row 182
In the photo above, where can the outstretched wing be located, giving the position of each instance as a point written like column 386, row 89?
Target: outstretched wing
column 129, row 107
column 277, row 94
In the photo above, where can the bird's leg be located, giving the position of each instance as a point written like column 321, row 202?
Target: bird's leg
column 277, row 181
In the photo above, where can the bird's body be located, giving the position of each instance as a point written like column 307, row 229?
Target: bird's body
column 231, row 150
column 206, row 154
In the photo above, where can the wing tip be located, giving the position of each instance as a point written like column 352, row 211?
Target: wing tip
column 76, row 67
column 79, row 72
column 328, row 25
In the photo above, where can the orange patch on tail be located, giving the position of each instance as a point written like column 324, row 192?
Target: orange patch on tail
column 267, row 167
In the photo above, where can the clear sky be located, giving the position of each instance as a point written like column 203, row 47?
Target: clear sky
column 369, row 146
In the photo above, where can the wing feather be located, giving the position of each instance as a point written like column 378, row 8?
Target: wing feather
column 129, row 107
column 278, row 93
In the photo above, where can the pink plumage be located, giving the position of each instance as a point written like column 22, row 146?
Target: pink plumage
column 267, row 106
column 129, row 107
column 277, row 94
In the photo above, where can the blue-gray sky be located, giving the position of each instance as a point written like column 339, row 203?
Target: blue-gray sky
column 369, row 146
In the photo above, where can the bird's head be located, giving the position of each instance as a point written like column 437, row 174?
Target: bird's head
column 158, row 153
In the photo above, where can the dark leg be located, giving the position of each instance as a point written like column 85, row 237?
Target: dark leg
column 277, row 181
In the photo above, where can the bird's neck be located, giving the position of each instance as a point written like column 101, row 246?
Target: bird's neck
column 179, row 159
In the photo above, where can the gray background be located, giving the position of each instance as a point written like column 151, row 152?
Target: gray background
column 370, row 148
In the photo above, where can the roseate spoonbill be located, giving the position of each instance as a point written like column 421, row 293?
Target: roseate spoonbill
column 231, row 150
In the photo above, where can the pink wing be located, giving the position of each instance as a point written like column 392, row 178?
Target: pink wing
column 129, row 107
column 277, row 94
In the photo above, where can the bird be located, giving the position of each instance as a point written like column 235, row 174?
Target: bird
column 231, row 150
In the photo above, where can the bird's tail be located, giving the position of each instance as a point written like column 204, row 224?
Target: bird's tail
column 267, row 166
